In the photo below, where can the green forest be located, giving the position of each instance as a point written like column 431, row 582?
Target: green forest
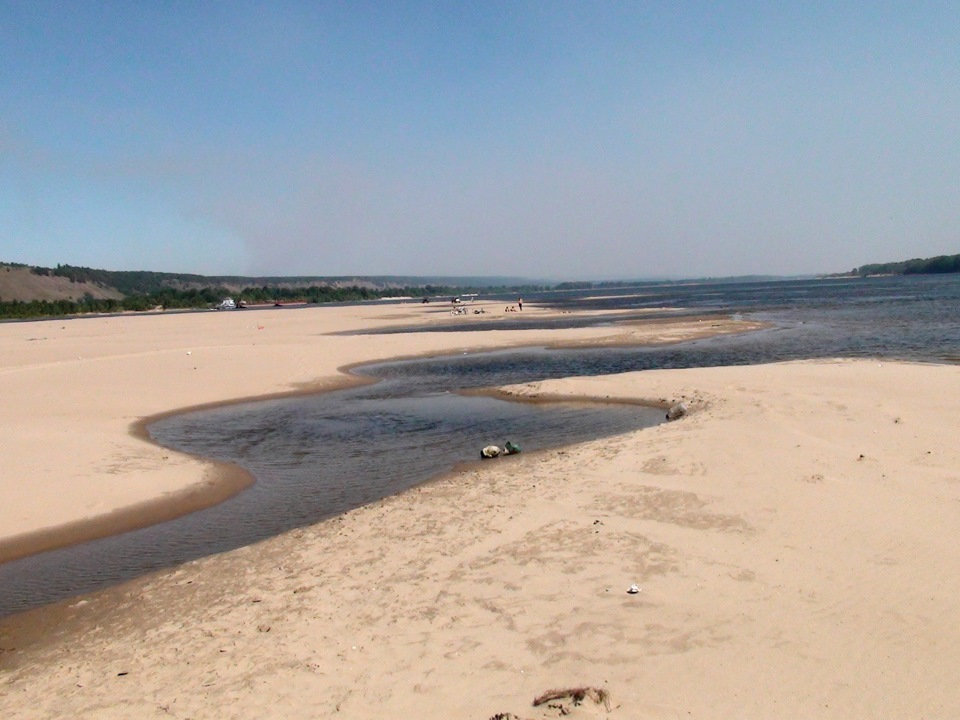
column 144, row 291
column 917, row 266
column 171, row 299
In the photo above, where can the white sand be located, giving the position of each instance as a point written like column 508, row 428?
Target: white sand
column 793, row 538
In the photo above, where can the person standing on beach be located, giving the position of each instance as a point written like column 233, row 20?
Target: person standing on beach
column 520, row 304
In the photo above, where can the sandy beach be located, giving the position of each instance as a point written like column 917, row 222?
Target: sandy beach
column 75, row 393
column 791, row 538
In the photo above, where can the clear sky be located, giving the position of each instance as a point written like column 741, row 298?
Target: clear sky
column 562, row 140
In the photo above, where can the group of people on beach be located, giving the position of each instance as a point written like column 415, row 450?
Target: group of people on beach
column 513, row 308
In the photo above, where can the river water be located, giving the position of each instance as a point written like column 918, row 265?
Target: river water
column 318, row 456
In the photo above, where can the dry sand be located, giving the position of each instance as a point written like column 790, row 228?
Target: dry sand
column 793, row 539
column 72, row 391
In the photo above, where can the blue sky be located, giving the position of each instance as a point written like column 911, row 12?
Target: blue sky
column 545, row 139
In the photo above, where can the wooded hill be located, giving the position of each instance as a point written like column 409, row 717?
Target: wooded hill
column 917, row 266
column 143, row 282
column 32, row 292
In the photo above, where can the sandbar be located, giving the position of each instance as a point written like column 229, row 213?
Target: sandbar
column 77, row 393
column 792, row 539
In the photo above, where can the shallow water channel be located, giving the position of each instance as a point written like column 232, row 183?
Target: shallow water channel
column 317, row 456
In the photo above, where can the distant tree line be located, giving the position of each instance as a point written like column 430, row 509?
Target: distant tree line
column 197, row 298
column 147, row 290
column 575, row 286
column 169, row 298
column 144, row 282
column 917, row 266
column 131, row 282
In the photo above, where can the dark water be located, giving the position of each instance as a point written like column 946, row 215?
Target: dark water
column 910, row 317
column 318, row 456
column 313, row 457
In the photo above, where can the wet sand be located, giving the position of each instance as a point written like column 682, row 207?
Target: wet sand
column 792, row 539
